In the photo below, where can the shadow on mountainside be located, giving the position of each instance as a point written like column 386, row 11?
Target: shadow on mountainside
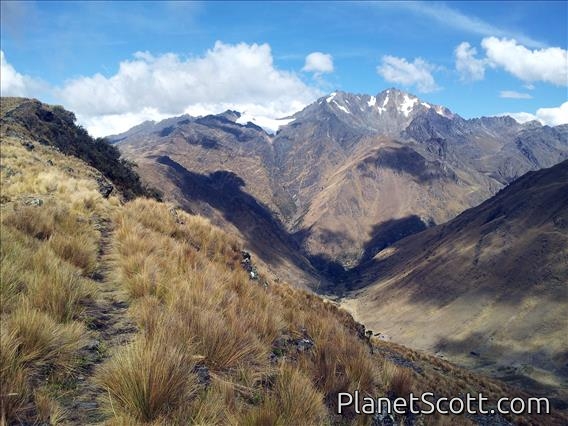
column 389, row 232
column 404, row 159
column 222, row 190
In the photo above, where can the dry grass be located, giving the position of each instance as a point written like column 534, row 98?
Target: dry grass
column 293, row 397
column 398, row 380
column 14, row 388
column 33, row 346
column 42, row 343
column 149, row 377
column 184, row 276
column 48, row 410
column 47, row 251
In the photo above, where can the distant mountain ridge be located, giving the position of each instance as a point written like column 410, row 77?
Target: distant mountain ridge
column 350, row 174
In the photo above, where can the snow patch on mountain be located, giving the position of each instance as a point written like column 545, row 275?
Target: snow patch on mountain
column 407, row 105
column 444, row 112
column 372, row 102
column 270, row 125
column 342, row 108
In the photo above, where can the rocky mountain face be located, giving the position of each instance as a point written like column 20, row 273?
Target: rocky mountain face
column 487, row 289
column 344, row 178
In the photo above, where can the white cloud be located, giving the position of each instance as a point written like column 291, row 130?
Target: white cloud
column 511, row 94
column 554, row 116
column 241, row 77
column 318, row 63
column 548, row 64
column 549, row 116
column 470, row 68
column 105, row 125
column 12, row 83
column 417, row 73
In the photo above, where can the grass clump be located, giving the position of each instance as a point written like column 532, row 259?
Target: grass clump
column 149, row 378
column 293, row 397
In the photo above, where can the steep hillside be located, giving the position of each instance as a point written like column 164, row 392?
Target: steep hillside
column 343, row 178
column 217, row 168
column 29, row 119
column 489, row 289
column 139, row 313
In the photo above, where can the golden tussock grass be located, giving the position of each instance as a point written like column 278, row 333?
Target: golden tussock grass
column 184, row 276
column 397, row 379
column 292, row 397
column 149, row 377
column 32, row 347
column 47, row 253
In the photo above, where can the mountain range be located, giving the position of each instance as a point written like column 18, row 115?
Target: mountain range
column 340, row 180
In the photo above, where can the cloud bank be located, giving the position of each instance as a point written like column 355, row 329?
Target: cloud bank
column 12, row 83
column 470, row 68
column 511, row 94
column 550, row 116
column 416, row 73
column 447, row 16
column 241, row 77
column 548, row 65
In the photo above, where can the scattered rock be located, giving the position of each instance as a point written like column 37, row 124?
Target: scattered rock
column 49, row 163
column 304, row 344
column 92, row 345
column 494, row 419
column 286, row 344
column 105, row 188
column 10, row 172
column 33, row 202
column 87, row 405
column 248, row 266
column 382, row 336
column 202, row 373
column 28, row 145
column 174, row 213
column 383, row 417
column 473, row 353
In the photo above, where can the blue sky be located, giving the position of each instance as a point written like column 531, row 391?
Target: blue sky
column 118, row 63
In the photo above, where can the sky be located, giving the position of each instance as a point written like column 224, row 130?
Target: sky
column 116, row 64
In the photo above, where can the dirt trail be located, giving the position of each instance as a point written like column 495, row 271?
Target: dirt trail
column 109, row 328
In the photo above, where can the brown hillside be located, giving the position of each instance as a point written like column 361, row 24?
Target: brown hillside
column 488, row 289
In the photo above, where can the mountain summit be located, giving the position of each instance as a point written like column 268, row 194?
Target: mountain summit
column 388, row 113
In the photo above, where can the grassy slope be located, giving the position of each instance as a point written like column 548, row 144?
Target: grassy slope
column 115, row 312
